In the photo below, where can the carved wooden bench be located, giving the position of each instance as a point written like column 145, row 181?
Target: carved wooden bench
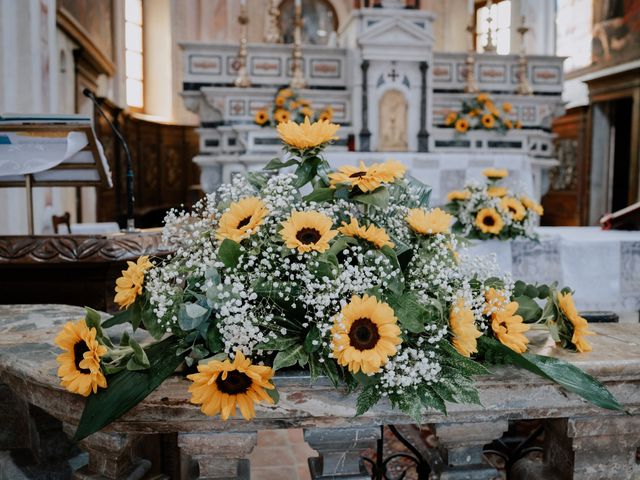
column 583, row 441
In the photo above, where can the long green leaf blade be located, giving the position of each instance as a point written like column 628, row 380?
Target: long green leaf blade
column 128, row 388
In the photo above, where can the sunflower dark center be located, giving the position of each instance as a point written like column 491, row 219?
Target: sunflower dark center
column 489, row 221
column 363, row 334
column 244, row 221
column 357, row 175
column 79, row 349
column 512, row 209
column 308, row 235
column 235, row 383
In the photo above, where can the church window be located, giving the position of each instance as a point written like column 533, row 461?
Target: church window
column 500, row 25
column 319, row 25
column 134, row 56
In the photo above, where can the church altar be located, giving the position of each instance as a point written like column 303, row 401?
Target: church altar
column 389, row 91
column 602, row 266
column 585, row 442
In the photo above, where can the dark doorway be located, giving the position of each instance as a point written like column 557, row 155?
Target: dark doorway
column 620, row 118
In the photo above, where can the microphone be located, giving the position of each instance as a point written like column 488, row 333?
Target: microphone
column 130, row 198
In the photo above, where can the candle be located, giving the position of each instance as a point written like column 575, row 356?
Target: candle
column 470, row 7
column 298, row 3
column 523, row 8
column 243, row 3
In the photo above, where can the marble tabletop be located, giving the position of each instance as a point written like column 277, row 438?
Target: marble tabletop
column 28, row 366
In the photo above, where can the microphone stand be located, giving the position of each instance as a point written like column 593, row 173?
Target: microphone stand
column 130, row 198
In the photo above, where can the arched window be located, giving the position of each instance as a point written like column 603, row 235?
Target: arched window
column 320, row 21
column 134, row 55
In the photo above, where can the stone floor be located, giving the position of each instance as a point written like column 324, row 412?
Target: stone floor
column 281, row 454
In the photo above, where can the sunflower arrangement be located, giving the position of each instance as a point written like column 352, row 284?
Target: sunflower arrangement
column 349, row 274
column 481, row 113
column 288, row 105
column 491, row 211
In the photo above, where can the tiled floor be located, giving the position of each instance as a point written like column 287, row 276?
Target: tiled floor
column 281, row 455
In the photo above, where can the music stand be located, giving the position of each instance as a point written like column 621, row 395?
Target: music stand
column 50, row 151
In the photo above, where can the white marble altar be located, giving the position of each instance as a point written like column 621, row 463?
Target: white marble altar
column 385, row 53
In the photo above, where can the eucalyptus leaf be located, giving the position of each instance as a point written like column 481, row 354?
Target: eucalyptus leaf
column 229, row 253
column 528, row 309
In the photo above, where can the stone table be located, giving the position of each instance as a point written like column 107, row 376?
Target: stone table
column 585, row 442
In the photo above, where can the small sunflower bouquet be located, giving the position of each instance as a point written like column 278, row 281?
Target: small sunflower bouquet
column 481, row 113
column 491, row 211
column 289, row 106
column 346, row 273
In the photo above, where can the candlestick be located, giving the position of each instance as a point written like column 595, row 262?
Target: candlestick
column 470, row 61
column 242, row 80
column 272, row 35
column 490, row 46
column 297, row 77
column 470, row 7
column 523, row 82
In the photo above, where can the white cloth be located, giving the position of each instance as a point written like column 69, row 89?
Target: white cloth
column 603, row 267
column 94, row 228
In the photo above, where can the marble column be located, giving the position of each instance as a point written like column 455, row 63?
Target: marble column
column 365, row 134
column 340, row 450
column 462, row 444
column 594, row 448
column 423, row 135
column 110, row 457
column 218, row 455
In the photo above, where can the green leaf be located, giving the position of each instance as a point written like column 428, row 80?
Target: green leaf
column 411, row 313
column 93, row 320
column 306, row 171
column 213, row 338
column 320, row 195
column 151, row 324
column 420, row 190
column 378, row 198
column 369, row 396
column 128, row 388
column 191, row 316
column 564, row 374
column 289, row 357
column 312, row 336
column 257, row 179
column 278, row 343
column 528, row 309
column 229, row 253
column 139, row 359
column 277, row 164
column 123, row 316
column 430, row 399
column 274, row 394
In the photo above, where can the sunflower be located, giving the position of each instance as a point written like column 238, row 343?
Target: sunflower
column 129, row 285
column 580, row 325
column 280, row 101
column 220, row 387
column 532, row 205
column 285, row 93
column 306, row 112
column 514, row 208
column 308, row 231
column 488, row 220
column 365, row 334
column 495, row 173
column 492, row 109
column 261, row 117
column 326, row 115
column 462, row 125
column 281, row 116
column 241, row 219
column 488, row 120
column 450, row 118
column 307, row 134
column 518, row 124
column 79, row 369
column 390, row 170
column 508, row 124
column 365, row 178
column 510, row 328
column 496, row 192
column 494, row 300
column 463, row 328
column 372, row 234
column 304, row 101
column 507, row 107
column 429, row 223
column 482, row 97
column 458, row 195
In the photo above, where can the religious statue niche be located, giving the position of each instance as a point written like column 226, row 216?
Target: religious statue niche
column 393, row 122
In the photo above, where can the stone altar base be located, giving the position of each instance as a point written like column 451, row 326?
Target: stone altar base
column 585, row 442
